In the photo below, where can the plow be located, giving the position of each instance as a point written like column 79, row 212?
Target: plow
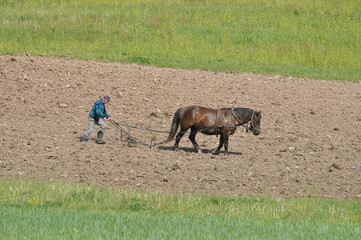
column 124, row 131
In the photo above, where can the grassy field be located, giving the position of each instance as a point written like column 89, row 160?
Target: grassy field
column 35, row 210
column 317, row 39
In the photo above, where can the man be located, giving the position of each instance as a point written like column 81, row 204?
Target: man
column 96, row 116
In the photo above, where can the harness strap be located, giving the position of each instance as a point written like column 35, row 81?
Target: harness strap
column 234, row 115
column 249, row 123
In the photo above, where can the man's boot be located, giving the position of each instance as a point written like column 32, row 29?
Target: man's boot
column 100, row 138
column 83, row 139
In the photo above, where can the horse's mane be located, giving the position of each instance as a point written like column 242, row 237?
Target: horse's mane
column 242, row 111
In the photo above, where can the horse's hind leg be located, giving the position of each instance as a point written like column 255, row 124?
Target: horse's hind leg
column 178, row 138
column 221, row 141
column 192, row 137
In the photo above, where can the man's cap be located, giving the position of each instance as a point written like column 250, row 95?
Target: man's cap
column 107, row 98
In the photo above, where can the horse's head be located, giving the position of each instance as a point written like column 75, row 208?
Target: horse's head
column 249, row 116
column 254, row 125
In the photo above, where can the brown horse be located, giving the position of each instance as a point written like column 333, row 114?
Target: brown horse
column 210, row 121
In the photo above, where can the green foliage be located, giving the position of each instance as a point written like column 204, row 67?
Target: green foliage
column 319, row 39
column 38, row 223
column 36, row 210
column 57, row 195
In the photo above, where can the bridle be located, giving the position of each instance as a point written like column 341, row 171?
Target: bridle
column 249, row 126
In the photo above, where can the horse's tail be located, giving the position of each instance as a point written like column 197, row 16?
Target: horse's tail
column 174, row 127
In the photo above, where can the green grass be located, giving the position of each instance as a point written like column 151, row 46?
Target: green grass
column 318, row 39
column 35, row 210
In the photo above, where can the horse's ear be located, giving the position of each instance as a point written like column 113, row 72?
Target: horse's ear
column 258, row 114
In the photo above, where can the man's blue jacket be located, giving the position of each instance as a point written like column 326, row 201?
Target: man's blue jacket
column 98, row 111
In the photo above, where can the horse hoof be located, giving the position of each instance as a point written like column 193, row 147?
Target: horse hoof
column 215, row 153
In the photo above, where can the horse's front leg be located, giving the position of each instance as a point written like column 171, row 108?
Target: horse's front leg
column 226, row 138
column 221, row 141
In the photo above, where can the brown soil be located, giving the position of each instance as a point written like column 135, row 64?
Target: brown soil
column 310, row 143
